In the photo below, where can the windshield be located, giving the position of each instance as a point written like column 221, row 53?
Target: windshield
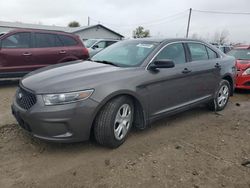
column 129, row 53
column 89, row 43
column 243, row 54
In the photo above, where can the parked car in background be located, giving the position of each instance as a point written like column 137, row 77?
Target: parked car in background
column 224, row 48
column 242, row 55
column 96, row 45
column 131, row 83
column 22, row 51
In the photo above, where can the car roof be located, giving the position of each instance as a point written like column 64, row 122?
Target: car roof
column 166, row 40
column 41, row 31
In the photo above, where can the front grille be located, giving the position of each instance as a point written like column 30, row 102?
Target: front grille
column 25, row 99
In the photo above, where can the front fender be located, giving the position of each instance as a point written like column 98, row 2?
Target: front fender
column 130, row 93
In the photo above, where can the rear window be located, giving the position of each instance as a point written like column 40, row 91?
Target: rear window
column 45, row 40
column 89, row 43
column 18, row 40
column 67, row 41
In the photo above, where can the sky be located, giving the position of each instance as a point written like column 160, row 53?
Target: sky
column 164, row 18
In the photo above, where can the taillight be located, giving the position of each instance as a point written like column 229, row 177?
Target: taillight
column 85, row 53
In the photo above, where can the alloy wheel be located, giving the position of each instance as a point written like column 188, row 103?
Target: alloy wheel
column 122, row 121
column 223, row 96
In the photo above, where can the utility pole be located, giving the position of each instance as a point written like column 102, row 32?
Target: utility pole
column 88, row 21
column 189, row 20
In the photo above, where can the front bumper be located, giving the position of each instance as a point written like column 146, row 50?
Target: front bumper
column 60, row 123
column 243, row 82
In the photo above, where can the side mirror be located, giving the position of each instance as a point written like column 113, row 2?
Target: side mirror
column 95, row 46
column 162, row 64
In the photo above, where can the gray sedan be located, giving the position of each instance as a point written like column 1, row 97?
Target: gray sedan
column 131, row 83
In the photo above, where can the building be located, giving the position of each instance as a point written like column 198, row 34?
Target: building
column 85, row 32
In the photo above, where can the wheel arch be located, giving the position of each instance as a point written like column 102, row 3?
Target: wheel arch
column 231, row 82
column 140, row 113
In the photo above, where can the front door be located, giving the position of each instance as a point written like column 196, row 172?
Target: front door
column 15, row 53
column 170, row 88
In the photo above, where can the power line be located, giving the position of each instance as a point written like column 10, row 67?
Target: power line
column 222, row 12
column 164, row 19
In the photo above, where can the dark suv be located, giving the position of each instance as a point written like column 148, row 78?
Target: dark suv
column 22, row 51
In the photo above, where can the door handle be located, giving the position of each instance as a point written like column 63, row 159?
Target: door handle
column 186, row 71
column 27, row 54
column 62, row 52
column 217, row 66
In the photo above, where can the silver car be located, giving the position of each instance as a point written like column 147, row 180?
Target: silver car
column 96, row 45
column 131, row 83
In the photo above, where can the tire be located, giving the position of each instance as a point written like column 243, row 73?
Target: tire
column 114, row 122
column 221, row 97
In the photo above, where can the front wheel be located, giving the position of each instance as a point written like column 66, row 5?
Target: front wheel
column 114, row 121
column 221, row 97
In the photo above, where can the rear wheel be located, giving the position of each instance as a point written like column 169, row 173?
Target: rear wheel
column 221, row 97
column 114, row 121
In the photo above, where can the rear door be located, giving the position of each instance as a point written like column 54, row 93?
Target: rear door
column 205, row 70
column 15, row 53
column 48, row 49
column 73, row 49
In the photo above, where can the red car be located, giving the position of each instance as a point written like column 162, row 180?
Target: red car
column 22, row 51
column 242, row 55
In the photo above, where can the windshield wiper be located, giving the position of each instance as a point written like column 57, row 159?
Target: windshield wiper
column 106, row 62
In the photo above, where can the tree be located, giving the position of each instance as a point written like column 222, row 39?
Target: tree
column 74, row 24
column 221, row 37
column 139, row 32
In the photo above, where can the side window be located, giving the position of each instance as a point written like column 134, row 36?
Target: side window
column 18, row 40
column 198, row 51
column 44, row 40
column 211, row 54
column 174, row 52
column 67, row 41
column 101, row 44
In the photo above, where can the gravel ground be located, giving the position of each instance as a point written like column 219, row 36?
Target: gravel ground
column 197, row 148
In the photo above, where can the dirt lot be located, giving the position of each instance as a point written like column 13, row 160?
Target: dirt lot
column 197, row 148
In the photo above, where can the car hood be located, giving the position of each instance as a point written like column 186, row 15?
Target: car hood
column 72, row 76
column 243, row 64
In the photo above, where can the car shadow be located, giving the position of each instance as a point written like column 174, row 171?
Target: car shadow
column 8, row 83
column 242, row 91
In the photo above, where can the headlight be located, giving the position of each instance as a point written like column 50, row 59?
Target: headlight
column 246, row 72
column 64, row 98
